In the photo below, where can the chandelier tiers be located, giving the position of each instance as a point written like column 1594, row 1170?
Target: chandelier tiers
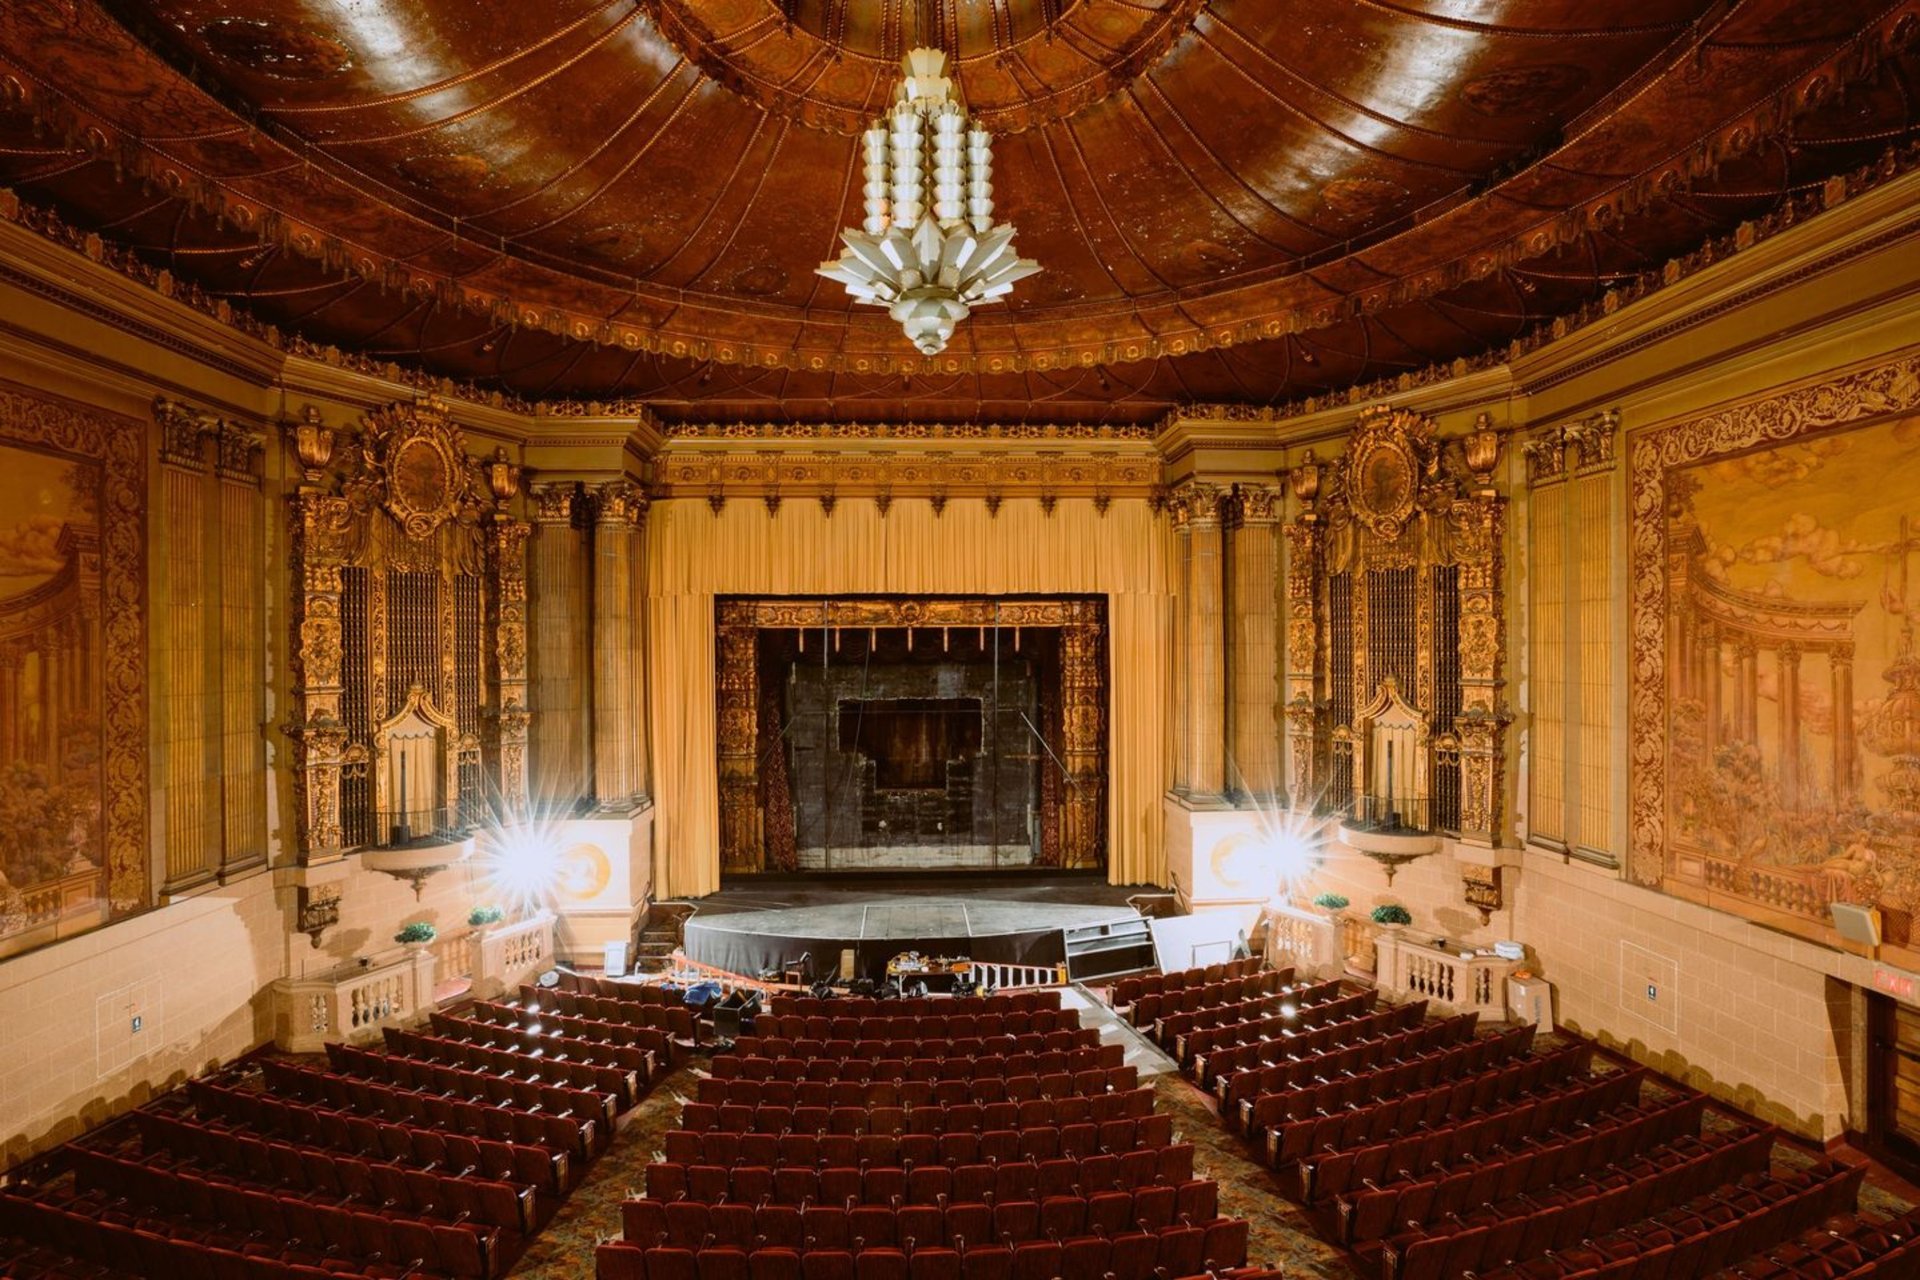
column 928, row 264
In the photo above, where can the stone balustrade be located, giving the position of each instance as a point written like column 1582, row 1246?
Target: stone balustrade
column 351, row 1003
column 1419, row 970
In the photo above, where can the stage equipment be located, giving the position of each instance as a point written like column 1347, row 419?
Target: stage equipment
column 1108, row 950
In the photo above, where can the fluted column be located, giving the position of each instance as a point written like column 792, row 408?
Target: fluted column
column 1841, row 658
column 619, row 504
column 1205, row 673
column 240, row 658
column 560, row 652
column 189, row 783
column 1790, row 725
column 1710, row 683
column 1746, row 698
column 1254, row 764
column 1182, row 556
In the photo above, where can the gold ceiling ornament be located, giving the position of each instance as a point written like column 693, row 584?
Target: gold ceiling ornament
column 928, row 261
column 413, row 464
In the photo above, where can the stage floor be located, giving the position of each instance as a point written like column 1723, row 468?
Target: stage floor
column 751, row 927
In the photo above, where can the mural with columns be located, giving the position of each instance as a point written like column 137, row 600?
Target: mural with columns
column 1792, row 686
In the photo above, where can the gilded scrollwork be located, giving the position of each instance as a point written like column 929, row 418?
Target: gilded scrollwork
column 118, row 447
column 410, row 593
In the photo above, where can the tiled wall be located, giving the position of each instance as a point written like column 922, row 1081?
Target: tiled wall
column 195, row 973
column 1738, row 1010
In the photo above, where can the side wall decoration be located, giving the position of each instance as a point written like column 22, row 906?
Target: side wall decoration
column 409, row 647
column 73, row 645
column 1396, row 645
column 1775, row 708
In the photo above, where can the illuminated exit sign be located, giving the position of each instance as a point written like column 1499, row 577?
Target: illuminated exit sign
column 1901, row 986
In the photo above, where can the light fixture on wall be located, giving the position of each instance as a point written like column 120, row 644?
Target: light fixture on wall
column 929, row 262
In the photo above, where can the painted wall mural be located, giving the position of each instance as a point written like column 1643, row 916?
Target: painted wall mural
column 1776, row 680
column 73, row 838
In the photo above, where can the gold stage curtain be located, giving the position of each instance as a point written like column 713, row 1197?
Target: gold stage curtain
column 695, row 555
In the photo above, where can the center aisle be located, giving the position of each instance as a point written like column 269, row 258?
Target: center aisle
column 1276, row 1233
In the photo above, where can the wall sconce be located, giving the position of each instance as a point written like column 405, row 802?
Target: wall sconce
column 1305, row 479
column 313, row 442
column 502, row 476
column 1483, row 449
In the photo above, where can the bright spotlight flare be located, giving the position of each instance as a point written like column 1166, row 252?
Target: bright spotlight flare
column 929, row 265
column 520, row 863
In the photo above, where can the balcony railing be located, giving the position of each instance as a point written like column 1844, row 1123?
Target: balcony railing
column 439, row 824
column 1410, row 815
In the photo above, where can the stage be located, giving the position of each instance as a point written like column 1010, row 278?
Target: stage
column 750, row 928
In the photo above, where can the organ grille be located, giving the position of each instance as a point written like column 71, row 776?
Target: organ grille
column 413, row 635
column 1447, row 696
column 467, row 654
column 1393, row 629
column 356, row 706
column 1340, row 686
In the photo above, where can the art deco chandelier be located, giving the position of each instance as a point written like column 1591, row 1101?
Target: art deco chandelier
column 928, row 262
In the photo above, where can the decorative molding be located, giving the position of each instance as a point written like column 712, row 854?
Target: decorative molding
column 1856, row 397
column 771, row 476
column 118, row 445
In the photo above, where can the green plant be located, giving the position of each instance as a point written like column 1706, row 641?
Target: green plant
column 484, row 915
column 417, row 932
column 1329, row 901
column 1392, row 913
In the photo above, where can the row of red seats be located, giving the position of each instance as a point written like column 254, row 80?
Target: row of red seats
column 1138, row 1255
column 963, row 1047
column 1297, row 1139
column 1864, row 1245
column 887, row 1024
column 770, row 1117
column 1084, row 1260
column 267, row 1115
column 619, row 1087
column 502, row 1120
column 690, row 1224
column 1703, row 1235
column 612, row 988
column 1192, row 1049
column 1149, row 1009
column 1527, row 1227
column 1229, row 1069
column 913, row 1006
column 1452, row 1190
column 922, row 1183
column 496, row 1201
column 920, row 1093
column 308, row 1223
column 1464, row 1137
column 1168, row 1028
column 634, row 1009
column 752, row 1066
column 1327, row 1062
column 1127, row 991
column 474, row 1083
column 549, row 1044
column 580, row 1026
column 1375, row 1069
column 956, row 1149
column 125, row 1244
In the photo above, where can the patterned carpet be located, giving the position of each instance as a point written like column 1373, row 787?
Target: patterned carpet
column 1280, row 1233
column 564, row 1251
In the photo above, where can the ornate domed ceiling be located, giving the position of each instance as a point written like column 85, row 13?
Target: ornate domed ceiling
column 1244, row 200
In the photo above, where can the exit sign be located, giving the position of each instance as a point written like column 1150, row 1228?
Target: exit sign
column 1901, row 986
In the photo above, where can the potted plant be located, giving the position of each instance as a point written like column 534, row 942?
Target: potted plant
column 417, row 934
column 1391, row 915
column 480, row 917
column 1331, row 903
